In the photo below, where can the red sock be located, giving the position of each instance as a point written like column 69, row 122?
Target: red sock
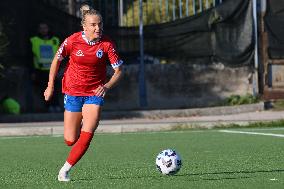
column 80, row 147
column 70, row 143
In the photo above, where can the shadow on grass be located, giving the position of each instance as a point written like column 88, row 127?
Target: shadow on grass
column 221, row 175
column 233, row 174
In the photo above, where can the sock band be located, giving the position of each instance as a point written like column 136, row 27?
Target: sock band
column 69, row 143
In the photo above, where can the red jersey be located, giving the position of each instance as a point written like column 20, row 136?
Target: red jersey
column 86, row 69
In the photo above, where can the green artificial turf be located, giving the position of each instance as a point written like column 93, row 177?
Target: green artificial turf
column 211, row 159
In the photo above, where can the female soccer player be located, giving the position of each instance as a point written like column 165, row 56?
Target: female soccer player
column 84, row 84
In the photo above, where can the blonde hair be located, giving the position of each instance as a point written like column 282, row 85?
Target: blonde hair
column 87, row 10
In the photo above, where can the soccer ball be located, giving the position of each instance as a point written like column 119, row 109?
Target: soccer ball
column 168, row 162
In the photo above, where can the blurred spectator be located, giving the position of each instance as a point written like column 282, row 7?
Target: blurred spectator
column 44, row 46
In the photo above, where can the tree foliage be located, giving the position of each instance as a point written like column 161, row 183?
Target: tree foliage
column 160, row 11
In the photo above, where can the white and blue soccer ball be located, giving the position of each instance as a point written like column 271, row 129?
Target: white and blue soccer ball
column 168, row 162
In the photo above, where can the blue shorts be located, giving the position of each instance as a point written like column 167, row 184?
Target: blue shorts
column 75, row 103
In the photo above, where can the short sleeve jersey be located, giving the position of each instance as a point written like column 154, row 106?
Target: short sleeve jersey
column 86, row 69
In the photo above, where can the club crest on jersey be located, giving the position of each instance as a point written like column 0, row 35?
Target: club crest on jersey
column 99, row 53
column 79, row 53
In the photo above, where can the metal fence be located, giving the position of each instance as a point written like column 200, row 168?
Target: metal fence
column 126, row 12
column 160, row 11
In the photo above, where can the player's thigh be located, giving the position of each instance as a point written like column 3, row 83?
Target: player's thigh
column 91, row 117
column 72, row 125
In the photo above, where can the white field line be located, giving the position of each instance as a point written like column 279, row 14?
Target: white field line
column 251, row 133
column 29, row 136
column 18, row 137
column 125, row 133
column 160, row 132
column 265, row 129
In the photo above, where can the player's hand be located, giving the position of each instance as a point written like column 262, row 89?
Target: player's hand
column 101, row 91
column 48, row 93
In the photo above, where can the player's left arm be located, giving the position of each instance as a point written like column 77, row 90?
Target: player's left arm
column 115, row 78
column 117, row 75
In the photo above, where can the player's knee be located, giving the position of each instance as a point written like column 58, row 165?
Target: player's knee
column 69, row 143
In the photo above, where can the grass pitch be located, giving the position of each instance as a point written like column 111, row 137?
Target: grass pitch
column 211, row 159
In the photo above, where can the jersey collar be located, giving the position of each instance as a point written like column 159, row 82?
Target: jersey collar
column 90, row 42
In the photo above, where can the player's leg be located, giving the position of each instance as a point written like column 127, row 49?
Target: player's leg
column 91, row 116
column 72, row 126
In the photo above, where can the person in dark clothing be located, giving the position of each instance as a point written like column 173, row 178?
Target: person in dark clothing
column 44, row 46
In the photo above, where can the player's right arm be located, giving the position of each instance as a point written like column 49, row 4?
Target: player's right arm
column 52, row 74
column 62, row 52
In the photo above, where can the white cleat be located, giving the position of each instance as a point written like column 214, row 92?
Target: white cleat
column 63, row 177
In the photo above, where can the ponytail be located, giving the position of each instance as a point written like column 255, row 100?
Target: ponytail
column 87, row 10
